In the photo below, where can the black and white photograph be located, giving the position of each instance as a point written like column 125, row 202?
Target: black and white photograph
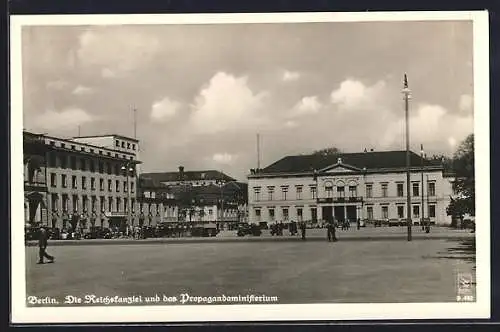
column 250, row 167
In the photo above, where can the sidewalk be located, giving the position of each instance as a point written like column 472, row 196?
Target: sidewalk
column 364, row 234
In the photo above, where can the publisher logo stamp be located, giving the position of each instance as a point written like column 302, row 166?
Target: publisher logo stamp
column 464, row 287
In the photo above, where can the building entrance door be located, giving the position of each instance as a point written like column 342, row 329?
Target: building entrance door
column 327, row 213
column 340, row 213
column 351, row 213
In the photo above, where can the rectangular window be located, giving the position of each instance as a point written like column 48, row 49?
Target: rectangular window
column 73, row 182
column 110, row 185
column 101, row 184
column 285, row 213
column 340, row 192
column 133, row 147
column 118, row 204
column 353, row 191
column 125, row 189
column 256, row 193
column 401, row 211
column 92, row 166
column 64, row 182
column 299, row 192
column 85, row 202
column 257, row 215
column 93, row 203
column 416, row 211
column 83, row 164
column 432, row 189
column 110, row 204
column 299, row 214
column 75, row 203
column 385, row 212
column 117, row 143
column 384, row 189
column 125, row 205
column 415, row 187
column 133, row 205
column 432, row 211
column 270, row 193
column 313, row 192
column 92, row 183
column 53, row 198
column 72, row 161
column 131, row 187
column 101, row 167
column 369, row 191
column 64, row 161
column 108, row 166
column 284, row 191
column 102, row 203
column 369, row 212
column 271, row 214
column 314, row 214
column 65, row 203
column 84, row 182
column 117, row 186
column 53, row 179
column 128, row 145
column 400, row 189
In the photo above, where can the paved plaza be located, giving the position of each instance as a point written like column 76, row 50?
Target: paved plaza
column 423, row 270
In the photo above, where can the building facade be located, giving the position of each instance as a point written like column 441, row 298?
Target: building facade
column 90, row 181
column 201, row 196
column 35, row 179
column 367, row 186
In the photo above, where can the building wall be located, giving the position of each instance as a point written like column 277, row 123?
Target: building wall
column 305, row 200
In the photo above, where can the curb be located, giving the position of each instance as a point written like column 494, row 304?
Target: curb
column 245, row 240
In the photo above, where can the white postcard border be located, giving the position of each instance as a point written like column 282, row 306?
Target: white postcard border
column 480, row 309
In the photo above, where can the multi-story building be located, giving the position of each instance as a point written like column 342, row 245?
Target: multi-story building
column 90, row 180
column 203, row 196
column 35, row 182
column 368, row 185
column 156, row 202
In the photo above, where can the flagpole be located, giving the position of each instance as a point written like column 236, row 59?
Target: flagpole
column 406, row 92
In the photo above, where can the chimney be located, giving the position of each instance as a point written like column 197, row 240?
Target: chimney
column 181, row 173
column 371, row 150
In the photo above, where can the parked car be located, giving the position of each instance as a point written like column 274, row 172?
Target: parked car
column 98, row 232
column 204, row 230
column 394, row 222
column 249, row 229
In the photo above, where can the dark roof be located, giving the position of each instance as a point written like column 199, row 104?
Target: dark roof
column 108, row 135
column 188, row 176
column 370, row 160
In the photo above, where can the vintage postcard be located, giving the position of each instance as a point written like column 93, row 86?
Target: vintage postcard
column 250, row 167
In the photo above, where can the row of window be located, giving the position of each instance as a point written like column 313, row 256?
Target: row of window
column 113, row 204
column 122, row 143
column 90, row 150
column 85, row 164
column 74, row 183
column 369, row 212
column 353, row 191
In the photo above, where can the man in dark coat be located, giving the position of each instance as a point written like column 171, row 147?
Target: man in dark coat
column 42, row 245
column 303, row 230
column 331, row 231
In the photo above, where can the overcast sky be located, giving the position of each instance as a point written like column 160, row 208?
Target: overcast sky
column 203, row 92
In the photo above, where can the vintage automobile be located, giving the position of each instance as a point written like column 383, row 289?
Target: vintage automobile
column 249, row 229
column 98, row 232
column 394, row 222
column 204, row 230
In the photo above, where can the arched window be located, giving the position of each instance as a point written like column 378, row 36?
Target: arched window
column 329, row 189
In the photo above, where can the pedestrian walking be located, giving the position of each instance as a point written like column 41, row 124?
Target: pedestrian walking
column 42, row 245
column 358, row 224
column 331, row 232
column 303, row 230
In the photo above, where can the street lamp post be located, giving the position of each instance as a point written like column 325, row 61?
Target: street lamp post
column 406, row 92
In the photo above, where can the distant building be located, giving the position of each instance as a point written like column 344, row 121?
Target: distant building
column 370, row 185
column 202, row 196
column 89, row 180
